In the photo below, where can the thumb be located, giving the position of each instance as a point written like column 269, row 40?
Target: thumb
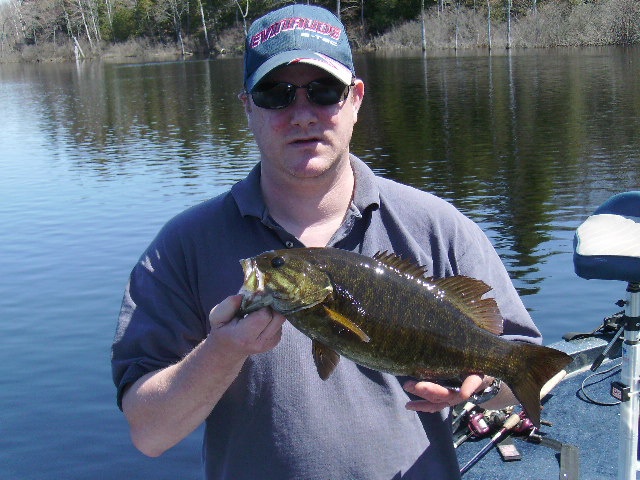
column 225, row 311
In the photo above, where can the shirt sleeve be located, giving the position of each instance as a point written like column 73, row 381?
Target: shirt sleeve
column 479, row 259
column 160, row 320
column 439, row 236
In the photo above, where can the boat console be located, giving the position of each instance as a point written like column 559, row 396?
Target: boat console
column 607, row 247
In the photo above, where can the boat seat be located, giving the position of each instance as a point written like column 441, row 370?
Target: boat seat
column 607, row 244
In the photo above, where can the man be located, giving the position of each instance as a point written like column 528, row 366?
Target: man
column 181, row 356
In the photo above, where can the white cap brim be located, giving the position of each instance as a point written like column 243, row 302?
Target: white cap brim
column 328, row 64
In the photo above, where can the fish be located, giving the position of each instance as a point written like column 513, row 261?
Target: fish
column 384, row 313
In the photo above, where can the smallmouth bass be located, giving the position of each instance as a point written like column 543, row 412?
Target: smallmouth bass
column 384, row 314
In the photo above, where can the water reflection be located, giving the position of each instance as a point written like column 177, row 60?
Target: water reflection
column 515, row 141
column 118, row 119
column 507, row 138
column 95, row 158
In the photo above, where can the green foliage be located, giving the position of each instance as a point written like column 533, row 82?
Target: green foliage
column 383, row 14
column 124, row 24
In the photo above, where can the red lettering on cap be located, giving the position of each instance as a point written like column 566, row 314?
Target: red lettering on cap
column 293, row 23
column 334, row 32
column 265, row 34
column 301, row 23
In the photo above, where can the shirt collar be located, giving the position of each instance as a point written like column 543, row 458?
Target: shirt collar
column 366, row 193
column 248, row 194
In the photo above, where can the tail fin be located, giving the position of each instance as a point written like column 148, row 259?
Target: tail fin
column 538, row 365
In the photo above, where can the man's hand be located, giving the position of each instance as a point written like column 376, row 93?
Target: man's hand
column 258, row 332
column 436, row 397
column 166, row 405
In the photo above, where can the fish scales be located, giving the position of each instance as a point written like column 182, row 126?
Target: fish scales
column 407, row 325
column 384, row 314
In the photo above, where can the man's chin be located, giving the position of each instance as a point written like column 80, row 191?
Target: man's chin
column 309, row 164
column 312, row 168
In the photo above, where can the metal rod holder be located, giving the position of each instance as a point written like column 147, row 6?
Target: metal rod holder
column 630, row 377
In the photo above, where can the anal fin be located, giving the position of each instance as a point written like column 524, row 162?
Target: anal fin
column 325, row 358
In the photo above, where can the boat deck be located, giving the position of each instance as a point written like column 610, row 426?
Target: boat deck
column 573, row 420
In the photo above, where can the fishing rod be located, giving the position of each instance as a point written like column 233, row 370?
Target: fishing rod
column 511, row 422
column 517, row 421
column 470, row 406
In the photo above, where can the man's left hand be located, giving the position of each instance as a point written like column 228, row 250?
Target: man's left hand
column 436, row 397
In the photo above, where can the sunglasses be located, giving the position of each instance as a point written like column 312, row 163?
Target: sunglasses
column 278, row 95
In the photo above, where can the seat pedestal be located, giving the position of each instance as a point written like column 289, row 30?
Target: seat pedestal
column 607, row 247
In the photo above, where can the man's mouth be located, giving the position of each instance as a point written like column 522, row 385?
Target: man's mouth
column 305, row 141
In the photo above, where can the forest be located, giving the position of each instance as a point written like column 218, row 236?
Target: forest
column 41, row 30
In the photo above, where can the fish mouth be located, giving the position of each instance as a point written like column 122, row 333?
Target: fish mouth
column 254, row 294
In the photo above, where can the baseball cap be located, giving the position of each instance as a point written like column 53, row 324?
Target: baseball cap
column 297, row 34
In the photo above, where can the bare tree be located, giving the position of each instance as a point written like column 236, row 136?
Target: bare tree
column 244, row 13
column 509, row 4
column 109, row 10
column 423, row 29
column 489, row 23
column 177, row 9
column 78, row 49
column 93, row 11
column 204, row 26
column 80, row 10
column 18, row 20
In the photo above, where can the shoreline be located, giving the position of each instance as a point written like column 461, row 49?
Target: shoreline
column 551, row 25
column 167, row 54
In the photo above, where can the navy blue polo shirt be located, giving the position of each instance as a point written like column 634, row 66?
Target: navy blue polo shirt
column 278, row 420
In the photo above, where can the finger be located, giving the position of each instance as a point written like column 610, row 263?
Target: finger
column 425, row 406
column 434, row 397
column 225, row 311
column 430, row 391
column 273, row 328
column 471, row 385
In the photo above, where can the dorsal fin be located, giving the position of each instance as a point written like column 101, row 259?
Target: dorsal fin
column 401, row 265
column 466, row 293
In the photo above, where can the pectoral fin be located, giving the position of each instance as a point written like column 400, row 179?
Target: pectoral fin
column 345, row 323
column 326, row 359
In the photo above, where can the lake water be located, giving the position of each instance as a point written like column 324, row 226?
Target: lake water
column 95, row 158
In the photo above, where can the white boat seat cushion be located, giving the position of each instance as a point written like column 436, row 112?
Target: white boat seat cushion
column 607, row 244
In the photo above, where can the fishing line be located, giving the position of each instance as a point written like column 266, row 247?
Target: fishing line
column 590, row 399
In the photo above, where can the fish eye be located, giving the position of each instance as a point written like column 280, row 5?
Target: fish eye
column 277, row 262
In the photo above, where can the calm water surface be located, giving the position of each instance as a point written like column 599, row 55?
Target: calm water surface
column 95, row 158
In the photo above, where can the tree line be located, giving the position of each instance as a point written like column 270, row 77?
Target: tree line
column 200, row 25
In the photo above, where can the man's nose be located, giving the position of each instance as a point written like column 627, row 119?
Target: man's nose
column 303, row 110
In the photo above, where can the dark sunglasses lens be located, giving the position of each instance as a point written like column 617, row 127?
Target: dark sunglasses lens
column 281, row 94
column 274, row 95
column 327, row 93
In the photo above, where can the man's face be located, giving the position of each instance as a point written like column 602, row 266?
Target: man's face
column 303, row 140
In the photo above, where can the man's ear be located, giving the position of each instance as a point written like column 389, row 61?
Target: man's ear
column 357, row 95
column 246, row 103
column 244, row 98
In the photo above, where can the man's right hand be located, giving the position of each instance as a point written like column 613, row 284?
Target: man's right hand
column 258, row 332
column 164, row 406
